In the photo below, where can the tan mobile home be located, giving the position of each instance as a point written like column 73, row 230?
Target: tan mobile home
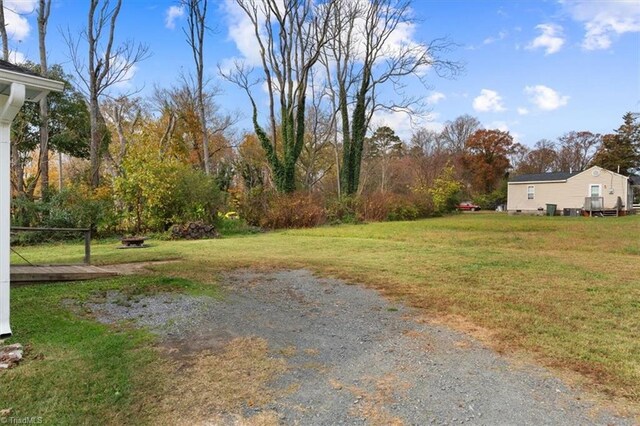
column 593, row 190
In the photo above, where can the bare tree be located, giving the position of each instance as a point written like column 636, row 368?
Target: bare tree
column 125, row 116
column 181, row 116
column 517, row 157
column 427, row 142
column 315, row 159
column 44, row 9
column 196, row 26
column 577, row 149
column 107, row 66
column 290, row 38
column 457, row 132
column 361, row 59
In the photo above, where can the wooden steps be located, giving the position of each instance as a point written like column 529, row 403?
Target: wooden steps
column 610, row 213
column 48, row 273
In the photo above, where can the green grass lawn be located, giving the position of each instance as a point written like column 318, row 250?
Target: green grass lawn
column 563, row 290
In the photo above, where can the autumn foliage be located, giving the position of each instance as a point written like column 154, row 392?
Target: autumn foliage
column 486, row 158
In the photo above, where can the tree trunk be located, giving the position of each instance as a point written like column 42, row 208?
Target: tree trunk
column 18, row 171
column 205, row 138
column 195, row 38
column 60, row 181
column 94, row 149
column 43, row 18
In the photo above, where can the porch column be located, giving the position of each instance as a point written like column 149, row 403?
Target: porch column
column 9, row 107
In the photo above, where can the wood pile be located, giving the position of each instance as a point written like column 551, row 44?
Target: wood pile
column 193, row 231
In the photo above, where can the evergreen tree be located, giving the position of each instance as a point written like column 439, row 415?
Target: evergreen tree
column 621, row 150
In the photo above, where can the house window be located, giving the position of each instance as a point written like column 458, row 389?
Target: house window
column 594, row 190
column 531, row 192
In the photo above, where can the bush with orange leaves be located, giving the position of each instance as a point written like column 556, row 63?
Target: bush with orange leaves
column 297, row 210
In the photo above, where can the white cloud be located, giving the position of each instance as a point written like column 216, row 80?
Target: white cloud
column 241, row 32
column 503, row 126
column 435, row 97
column 604, row 20
column 172, row 14
column 551, row 38
column 523, row 111
column 498, row 125
column 490, row 40
column 18, row 27
column 489, row 100
column 404, row 124
column 126, row 82
column 545, row 97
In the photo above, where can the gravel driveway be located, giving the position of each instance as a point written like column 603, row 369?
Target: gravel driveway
column 356, row 358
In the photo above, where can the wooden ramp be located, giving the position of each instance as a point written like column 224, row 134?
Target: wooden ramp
column 30, row 274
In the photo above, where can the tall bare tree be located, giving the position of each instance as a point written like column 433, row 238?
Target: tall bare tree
column 44, row 9
column 290, row 36
column 316, row 159
column 457, row 132
column 195, row 31
column 107, row 66
column 577, row 149
column 362, row 58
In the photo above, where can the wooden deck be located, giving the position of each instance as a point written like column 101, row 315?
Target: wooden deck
column 30, row 274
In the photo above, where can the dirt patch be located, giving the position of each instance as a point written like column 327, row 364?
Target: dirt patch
column 134, row 268
column 287, row 347
column 225, row 382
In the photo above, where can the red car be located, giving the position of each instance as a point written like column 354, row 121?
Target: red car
column 468, row 206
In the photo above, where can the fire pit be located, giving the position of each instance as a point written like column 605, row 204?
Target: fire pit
column 133, row 242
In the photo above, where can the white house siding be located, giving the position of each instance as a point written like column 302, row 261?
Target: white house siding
column 570, row 193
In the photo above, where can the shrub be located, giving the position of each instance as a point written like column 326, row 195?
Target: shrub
column 155, row 195
column 253, row 204
column 297, row 210
column 445, row 191
column 493, row 199
column 234, row 226
column 374, row 207
column 342, row 210
column 197, row 197
column 403, row 208
column 73, row 207
column 268, row 209
column 381, row 206
column 78, row 207
column 271, row 210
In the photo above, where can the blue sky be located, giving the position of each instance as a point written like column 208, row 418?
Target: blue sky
column 536, row 68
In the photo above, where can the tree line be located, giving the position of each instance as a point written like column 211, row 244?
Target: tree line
column 143, row 163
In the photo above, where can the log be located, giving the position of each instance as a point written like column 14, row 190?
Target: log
column 193, row 231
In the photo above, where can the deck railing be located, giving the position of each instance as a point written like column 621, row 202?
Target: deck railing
column 592, row 204
column 85, row 231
